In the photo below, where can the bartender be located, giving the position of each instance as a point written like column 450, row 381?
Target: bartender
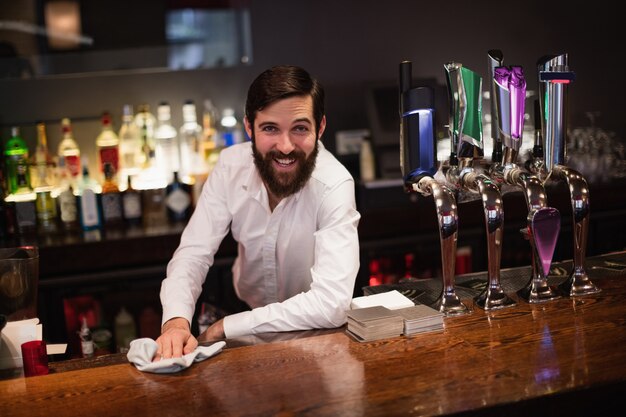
column 290, row 205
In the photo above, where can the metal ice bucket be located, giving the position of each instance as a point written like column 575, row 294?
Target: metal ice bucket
column 19, row 280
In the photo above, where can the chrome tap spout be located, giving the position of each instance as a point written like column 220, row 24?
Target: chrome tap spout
column 578, row 282
column 555, row 77
column 447, row 217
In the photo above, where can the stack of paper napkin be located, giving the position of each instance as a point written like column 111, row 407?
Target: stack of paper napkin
column 420, row 318
column 373, row 323
column 390, row 314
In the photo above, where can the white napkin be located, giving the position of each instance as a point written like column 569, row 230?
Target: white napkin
column 393, row 300
column 142, row 351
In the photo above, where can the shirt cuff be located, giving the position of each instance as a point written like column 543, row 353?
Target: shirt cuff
column 176, row 311
column 239, row 324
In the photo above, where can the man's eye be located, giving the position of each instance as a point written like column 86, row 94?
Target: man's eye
column 269, row 129
column 301, row 129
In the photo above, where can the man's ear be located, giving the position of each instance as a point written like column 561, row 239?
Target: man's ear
column 322, row 127
column 247, row 126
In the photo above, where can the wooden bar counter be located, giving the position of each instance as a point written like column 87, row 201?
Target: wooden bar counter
column 565, row 357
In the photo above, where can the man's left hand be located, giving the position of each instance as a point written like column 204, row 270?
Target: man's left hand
column 214, row 333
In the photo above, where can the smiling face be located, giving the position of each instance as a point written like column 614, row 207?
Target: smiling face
column 285, row 144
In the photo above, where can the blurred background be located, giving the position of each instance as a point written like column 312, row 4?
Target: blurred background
column 352, row 46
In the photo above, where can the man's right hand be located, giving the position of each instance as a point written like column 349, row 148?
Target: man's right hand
column 176, row 340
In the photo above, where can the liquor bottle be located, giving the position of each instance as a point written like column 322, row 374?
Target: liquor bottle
column 46, row 210
column 107, row 144
column 111, row 199
column 69, row 153
column 68, row 208
column 45, row 204
column 153, row 205
column 231, row 130
column 366, row 162
column 209, row 130
column 86, row 339
column 88, row 207
column 16, row 160
column 166, row 144
column 190, row 136
column 131, row 204
column 4, row 205
column 178, row 200
column 132, row 157
column 42, row 165
column 146, row 123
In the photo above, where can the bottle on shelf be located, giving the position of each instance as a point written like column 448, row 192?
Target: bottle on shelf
column 131, row 204
column 16, row 160
column 68, row 208
column 42, row 164
column 88, row 207
column 146, row 123
column 111, row 199
column 231, row 130
column 45, row 204
column 209, row 130
column 132, row 157
column 6, row 213
column 107, row 145
column 125, row 330
column 166, row 152
column 178, row 200
column 68, row 153
column 86, row 339
column 153, row 205
column 366, row 162
column 190, row 135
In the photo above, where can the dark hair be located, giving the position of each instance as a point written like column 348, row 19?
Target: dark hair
column 280, row 82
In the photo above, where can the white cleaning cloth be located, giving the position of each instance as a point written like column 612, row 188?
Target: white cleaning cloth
column 142, row 351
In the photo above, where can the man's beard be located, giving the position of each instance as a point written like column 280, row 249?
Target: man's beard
column 283, row 184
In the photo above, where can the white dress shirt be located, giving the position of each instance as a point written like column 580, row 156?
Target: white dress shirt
column 296, row 266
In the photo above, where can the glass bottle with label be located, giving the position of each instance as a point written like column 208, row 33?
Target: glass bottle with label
column 132, row 157
column 131, row 204
column 209, row 130
column 69, row 153
column 86, row 339
column 231, row 130
column 146, row 123
column 66, row 200
column 16, row 159
column 88, row 207
column 178, row 200
column 107, row 144
column 42, row 165
column 111, row 199
column 45, row 204
column 190, row 135
column 167, row 157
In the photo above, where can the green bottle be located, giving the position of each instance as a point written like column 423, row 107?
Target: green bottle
column 16, row 155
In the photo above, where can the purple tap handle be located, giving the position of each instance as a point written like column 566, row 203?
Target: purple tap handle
column 517, row 88
column 501, row 76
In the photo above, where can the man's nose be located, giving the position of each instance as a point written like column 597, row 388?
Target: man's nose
column 284, row 144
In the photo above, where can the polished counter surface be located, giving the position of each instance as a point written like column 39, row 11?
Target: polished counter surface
column 565, row 357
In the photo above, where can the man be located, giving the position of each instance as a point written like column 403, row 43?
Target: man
column 289, row 204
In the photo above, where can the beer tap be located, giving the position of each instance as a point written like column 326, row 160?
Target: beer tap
column 465, row 128
column 508, row 105
column 419, row 164
column 554, row 79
